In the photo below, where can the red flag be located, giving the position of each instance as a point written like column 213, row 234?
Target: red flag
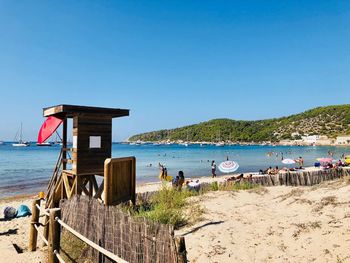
column 48, row 128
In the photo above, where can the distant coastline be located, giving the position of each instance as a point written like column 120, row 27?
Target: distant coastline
column 326, row 126
column 222, row 143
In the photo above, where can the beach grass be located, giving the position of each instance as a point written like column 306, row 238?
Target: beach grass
column 170, row 206
column 166, row 206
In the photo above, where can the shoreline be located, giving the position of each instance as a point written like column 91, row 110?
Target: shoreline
column 23, row 175
column 142, row 187
column 223, row 143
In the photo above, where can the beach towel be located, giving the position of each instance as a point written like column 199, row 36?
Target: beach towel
column 23, row 210
column 194, row 186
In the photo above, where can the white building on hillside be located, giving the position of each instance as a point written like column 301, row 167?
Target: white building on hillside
column 343, row 140
column 310, row 139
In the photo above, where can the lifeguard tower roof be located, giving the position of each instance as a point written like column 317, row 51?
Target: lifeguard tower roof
column 69, row 111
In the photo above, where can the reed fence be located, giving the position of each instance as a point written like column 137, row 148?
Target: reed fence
column 132, row 239
column 301, row 178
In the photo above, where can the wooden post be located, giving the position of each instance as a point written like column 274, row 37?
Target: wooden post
column 33, row 233
column 64, row 144
column 54, row 235
column 181, row 249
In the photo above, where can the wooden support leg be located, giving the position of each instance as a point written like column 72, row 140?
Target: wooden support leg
column 55, row 235
column 78, row 186
column 94, row 184
column 91, row 187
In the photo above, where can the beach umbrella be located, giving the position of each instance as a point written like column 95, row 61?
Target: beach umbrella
column 325, row 160
column 288, row 161
column 228, row 167
column 49, row 126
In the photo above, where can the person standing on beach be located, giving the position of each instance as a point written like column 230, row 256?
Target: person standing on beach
column 164, row 171
column 175, row 182
column 181, row 180
column 213, row 169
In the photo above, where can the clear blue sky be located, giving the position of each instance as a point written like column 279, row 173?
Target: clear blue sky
column 171, row 62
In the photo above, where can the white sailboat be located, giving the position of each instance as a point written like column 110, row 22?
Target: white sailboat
column 186, row 142
column 20, row 142
column 219, row 143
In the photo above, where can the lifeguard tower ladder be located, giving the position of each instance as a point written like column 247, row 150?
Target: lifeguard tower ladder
column 77, row 167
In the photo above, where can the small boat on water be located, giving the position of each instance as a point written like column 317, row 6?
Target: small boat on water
column 19, row 140
column 21, row 144
column 44, row 144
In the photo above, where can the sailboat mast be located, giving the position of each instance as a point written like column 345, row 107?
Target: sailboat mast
column 20, row 135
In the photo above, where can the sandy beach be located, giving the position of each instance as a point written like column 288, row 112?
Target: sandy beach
column 273, row 224
column 16, row 231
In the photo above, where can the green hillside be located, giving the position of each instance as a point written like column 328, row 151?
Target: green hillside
column 330, row 121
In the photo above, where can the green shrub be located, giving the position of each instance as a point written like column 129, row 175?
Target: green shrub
column 232, row 186
column 166, row 207
column 214, row 186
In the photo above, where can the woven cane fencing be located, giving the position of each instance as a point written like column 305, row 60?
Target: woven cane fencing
column 301, row 178
column 133, row 239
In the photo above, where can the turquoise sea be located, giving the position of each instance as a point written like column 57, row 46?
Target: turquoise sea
column 28, row 169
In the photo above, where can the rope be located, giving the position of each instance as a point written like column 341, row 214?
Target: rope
column 60, row 259
column 44, row 211
column 40, row 224
column 41, row 235
column 90, row 243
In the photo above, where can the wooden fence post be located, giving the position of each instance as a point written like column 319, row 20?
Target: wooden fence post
column 33, row 233
column 181, row 249
column 54, row 235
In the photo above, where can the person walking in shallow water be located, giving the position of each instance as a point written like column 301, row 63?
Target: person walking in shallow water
column 213, row 169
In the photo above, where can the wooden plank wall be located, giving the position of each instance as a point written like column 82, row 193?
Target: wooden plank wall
column 119, row 180
column 91, row 160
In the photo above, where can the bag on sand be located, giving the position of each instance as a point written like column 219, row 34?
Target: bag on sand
column 23, row 210
column 10, row 212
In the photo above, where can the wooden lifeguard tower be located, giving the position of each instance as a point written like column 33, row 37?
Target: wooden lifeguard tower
column 77, row 167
